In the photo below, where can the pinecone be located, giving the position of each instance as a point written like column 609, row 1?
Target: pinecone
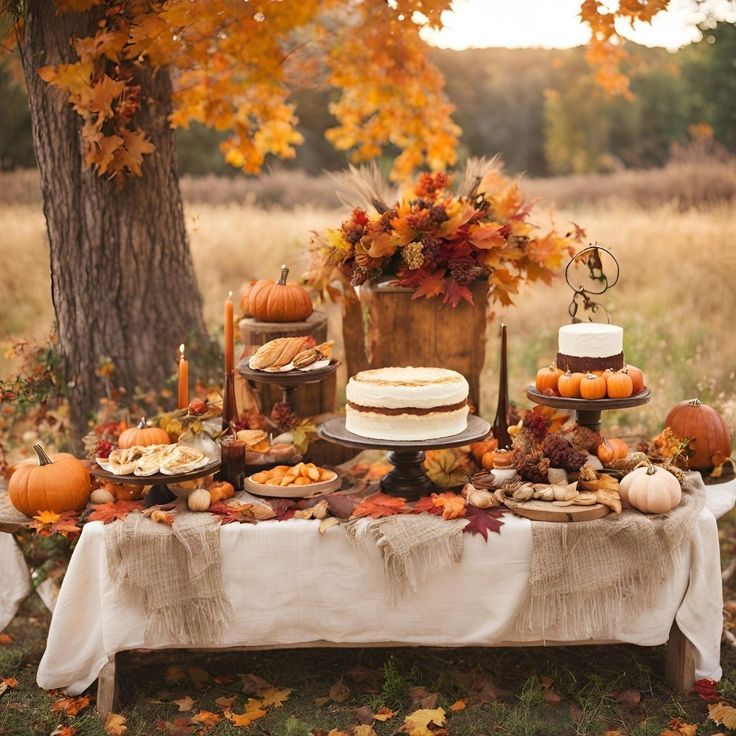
column 562, row 454
column 359, row 276
column 282, row 416
column 532, row 468
column 536, row 424
column 585, row 439
column 466, row 273
column 412, row 255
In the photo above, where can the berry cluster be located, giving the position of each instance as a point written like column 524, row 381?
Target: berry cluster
column 562, row 454
column 536, row 425
column 103, row 448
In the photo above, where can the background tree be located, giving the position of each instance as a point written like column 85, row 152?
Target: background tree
column 122, row 278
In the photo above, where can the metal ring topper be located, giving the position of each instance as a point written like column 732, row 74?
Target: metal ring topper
column 591, row 257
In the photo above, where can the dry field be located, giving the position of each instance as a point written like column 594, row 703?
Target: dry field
column 676, row 297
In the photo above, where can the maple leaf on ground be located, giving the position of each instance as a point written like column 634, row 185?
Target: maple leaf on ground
column 459, row 704
column 722, row 714
column 252, row 712
column 677, row 727
column 418, row 722
column 226, row 702
column 206, row 718
column 422, row 697
column 174, row 675
column 707, row 690
column 339, row 692
column 363, row 729
column 64, row 731
column 482, row 521
column 70, row 706
column 115, row 724
column 550, row 695
column 378, row 505
column 5, row 639
column 184, row 704
column 178, row 727
column 253, row 684
column 7, row 683
column 114, row 511
column 273, row 697
column 198, row 677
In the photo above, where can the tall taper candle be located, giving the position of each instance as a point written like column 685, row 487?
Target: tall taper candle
column 229, row 334
column 501, row 422
column 183, row 388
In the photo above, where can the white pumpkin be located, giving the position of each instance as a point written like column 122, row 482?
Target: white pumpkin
column 651, row 489
column 101, row 495
column 199, row 500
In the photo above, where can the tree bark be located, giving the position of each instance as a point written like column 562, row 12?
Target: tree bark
column 122, row 277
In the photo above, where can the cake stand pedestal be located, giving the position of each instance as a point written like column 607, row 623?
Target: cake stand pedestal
column 408, row 478
column 588, row 411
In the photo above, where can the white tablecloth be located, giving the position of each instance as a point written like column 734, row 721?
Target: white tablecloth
column 15, row 583
column 291, row 586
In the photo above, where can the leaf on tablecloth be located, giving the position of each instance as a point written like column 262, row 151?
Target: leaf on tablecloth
column 115, row 724
column 448, row 505
column 707, row 690
column 162, row 517
column 174, row 675
column 252, row 712
column 422, row 697
column 379, row 504
column 253, row 684
column 70, row 706
column 328, row 523
column 114, row 511
column 341, row 505
column 184, row 704
column 198, row 677
column 418, row 723
column 722, row 714
column 206, row 718
column 238, row 512
column 482, row 521
column 272, row 697
column 677, row 727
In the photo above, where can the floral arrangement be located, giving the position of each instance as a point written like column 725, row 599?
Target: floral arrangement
column 437, row 241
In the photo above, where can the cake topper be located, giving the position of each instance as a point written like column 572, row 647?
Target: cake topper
column 591, row 258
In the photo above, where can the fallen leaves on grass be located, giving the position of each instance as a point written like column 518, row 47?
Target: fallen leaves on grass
column 7, row 683
column 722, row 714
column 70, row 706
column 482, row 521
column 115, row 724
column 198, row 677
column 418, row 723
column 550, row 695
column 478, row 683
column 253, row 684
column 363, row 730
column 420, row 696
column 459, row 705
column 252, row 712
column 64, row 731
column 708, row 690
column 379, row 504
column 366, row 715
column 676, row 727
column 184, row 704
column 174, row 675
column 206, row 718
column 226, row 702
column 178, row 727
column 5, row 640
column 272, row 697
column 339, row 692
column 629, row 698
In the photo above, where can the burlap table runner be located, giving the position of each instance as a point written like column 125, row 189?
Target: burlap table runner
column 589, row 577
column 413, row 546
column 175, row 573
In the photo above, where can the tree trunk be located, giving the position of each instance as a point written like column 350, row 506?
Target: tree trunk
column 122, row 276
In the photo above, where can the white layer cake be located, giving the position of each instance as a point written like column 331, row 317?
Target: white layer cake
column 590, row 346
column 406, row 403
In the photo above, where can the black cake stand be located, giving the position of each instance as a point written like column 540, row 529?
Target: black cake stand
column 408, row 478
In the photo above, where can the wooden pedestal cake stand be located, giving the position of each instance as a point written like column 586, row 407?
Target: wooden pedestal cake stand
column 408, row 478
column 588, row 411
column 160, row 492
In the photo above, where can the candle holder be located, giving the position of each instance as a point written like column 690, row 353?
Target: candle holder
column 229, row 404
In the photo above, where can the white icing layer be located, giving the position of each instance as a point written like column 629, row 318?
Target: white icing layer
column 406, row 426
column 591, row 340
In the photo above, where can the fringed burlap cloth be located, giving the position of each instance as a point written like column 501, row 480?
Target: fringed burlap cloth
column 589, row 577
column 413, row 546
column 174, row 572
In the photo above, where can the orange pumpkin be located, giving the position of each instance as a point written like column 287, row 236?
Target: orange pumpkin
column 124, row 492
column 58, row 483
column 592, row 386
column 613, row 449
column 637, row 377
column 704, row 427
column 619, row 385
column 143, row 436
column 245, row 297
column 481, row 448
column 279, row 301
column 220, row 491
column 568, row 385
column 547, row 379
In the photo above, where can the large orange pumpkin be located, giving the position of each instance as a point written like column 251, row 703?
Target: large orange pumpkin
column 704, row 427
column 143, row 436
column 57, row 483
column 245, row 297
column 278, row 301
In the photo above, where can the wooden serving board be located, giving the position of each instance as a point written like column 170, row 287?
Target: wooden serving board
column 547, row 511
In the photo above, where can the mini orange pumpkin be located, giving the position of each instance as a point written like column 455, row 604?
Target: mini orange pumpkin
column 58, row 483
column 613, row 449
column 704, row 427
column 220, row 491
column 481, row 448
column 568, row 385
column 619, row 385
column 592, row 387
column 637, row 377
column 279, row 301
column 245, row 297
column 142, row 435
column 547, row 379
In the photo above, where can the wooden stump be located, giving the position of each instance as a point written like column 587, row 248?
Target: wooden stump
column 107, row 689
column 680, row 663
column 315, row 398
column 422, row 332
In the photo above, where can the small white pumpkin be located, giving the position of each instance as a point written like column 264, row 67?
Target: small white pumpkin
column 199, row 500
column 100, row 495
column 652, row 490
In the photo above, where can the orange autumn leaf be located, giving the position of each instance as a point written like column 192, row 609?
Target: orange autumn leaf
column 64, row 731
column 115, row 725
column 252, row 712
column 378, row 505
column 5, row 639
column 46, row 517
column 114, row 511
column 677, row 727
column 70, row 706
column 162, row 517
column 432, row 285
column 9, row 681
column 447, row 505
column 418, row 723
column 206, row 718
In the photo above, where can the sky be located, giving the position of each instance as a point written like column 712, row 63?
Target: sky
column 555, row 24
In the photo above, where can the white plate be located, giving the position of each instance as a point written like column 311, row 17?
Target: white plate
column 313, row 489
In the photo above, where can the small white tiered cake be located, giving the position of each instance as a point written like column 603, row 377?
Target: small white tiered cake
column 406, row 403
column 590, row 346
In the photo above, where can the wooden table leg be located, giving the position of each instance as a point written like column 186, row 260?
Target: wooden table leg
column 680, row 663
column 107, row 689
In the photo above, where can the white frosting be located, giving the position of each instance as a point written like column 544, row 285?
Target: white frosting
column 591, row 340
column 410, row 388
